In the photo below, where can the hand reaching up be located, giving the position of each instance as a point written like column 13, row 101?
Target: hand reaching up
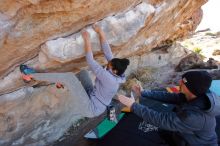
column 85, row 35
column 99, row 31
column 86, row 39
column 96, row 28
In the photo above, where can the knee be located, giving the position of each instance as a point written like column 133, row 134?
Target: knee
column 83, row 74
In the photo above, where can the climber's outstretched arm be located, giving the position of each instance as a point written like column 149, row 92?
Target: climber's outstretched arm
column 96, row 68
column 87, row 43
column 104, row 44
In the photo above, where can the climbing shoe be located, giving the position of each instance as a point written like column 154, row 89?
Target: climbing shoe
column 26, row 70
column 26, row 73
column 27, row 78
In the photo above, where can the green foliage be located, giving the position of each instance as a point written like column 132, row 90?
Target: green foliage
column 197, row 50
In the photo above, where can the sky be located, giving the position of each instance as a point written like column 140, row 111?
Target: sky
column 211, row 16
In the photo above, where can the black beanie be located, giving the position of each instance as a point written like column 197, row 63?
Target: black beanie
column 198, row 82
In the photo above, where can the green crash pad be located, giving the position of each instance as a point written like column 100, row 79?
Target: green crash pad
column 103, row 128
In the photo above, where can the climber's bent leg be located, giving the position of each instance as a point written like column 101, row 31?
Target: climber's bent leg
column 63, row 78
column 85, row 80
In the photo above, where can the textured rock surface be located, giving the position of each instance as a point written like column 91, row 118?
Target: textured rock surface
column 205, row 43
column 216, row 52
column 49, row 31
column 195, row 61
column 45, row 34
column 118, row 29
column 156, row 69
column 27, row 24
column 38, row 115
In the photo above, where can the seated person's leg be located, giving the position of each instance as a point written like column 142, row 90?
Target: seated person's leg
column 172, row 138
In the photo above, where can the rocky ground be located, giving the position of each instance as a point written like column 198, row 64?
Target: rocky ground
column 206, row 43
column 161, row 68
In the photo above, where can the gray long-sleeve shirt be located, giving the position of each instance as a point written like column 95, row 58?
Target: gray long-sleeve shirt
column 106, row 83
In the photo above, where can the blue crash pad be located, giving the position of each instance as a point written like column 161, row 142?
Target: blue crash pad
column 215, row 87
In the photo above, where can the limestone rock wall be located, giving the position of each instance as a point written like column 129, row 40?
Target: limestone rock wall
column 45, row 34
column 118, row 29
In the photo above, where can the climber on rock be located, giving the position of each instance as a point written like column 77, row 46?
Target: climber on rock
column 107, row 80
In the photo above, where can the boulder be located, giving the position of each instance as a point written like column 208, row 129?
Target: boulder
column 45, row 34
column 195, row 61
column 38, row 116
column 216, row 52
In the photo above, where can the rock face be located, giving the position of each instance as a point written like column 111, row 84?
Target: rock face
column 216, row 52
column 38, row 116
column 118, row 29
column 195, row 61
column 45, row 34
column 156, row 69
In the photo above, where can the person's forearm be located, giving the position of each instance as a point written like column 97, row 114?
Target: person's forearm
column 87, row 46
column 102, row 37
column 105, row 46
column 169, row 120
column 171, row 98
